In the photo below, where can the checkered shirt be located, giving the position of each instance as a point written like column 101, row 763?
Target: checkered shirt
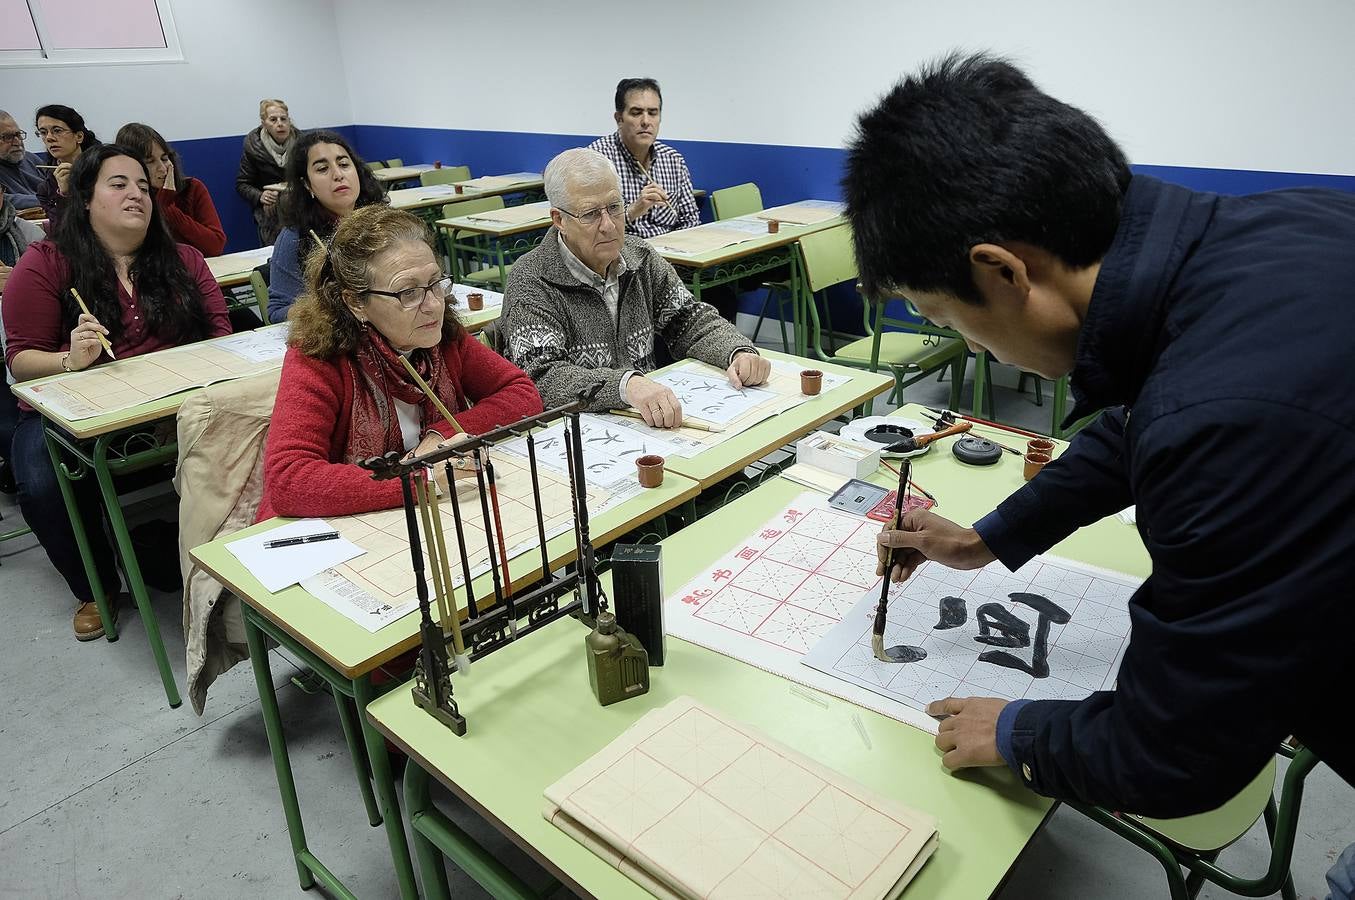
column 669, row 170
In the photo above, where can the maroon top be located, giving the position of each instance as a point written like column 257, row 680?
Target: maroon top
column 191, row 217
column 32, row 310
column 303, row 471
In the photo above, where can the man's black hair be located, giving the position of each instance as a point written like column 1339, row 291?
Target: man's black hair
column 626, row 85
column 970, row 151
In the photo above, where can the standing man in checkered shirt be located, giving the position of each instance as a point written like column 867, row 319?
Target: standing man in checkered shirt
column 655, row 183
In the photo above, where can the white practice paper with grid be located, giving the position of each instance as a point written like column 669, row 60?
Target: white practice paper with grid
column 808, row 575
column 689, row 803
column 1083, row 654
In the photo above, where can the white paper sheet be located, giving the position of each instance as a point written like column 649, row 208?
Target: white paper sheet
column 285, row 566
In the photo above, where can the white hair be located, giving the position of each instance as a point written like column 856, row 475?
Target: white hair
column 579, row 167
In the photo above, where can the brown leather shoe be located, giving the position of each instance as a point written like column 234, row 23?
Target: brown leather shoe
column 88, row 625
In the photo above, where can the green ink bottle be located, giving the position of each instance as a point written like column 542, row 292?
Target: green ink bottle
column 618, row 666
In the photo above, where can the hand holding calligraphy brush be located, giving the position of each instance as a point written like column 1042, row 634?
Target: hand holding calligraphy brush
column 900, row 654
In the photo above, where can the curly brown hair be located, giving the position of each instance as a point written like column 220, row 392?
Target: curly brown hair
column 322, row 322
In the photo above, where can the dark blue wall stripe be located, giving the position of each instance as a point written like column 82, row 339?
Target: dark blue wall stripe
column 784, row 174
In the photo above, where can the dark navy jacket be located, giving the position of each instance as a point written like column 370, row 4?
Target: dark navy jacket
column 1221, row 336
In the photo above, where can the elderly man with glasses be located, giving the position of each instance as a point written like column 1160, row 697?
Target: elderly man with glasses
column 584, row 307
column 18, row 168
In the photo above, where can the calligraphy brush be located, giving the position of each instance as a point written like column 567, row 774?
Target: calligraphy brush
column 428, row 392
column 877, row 639
column 108, row 348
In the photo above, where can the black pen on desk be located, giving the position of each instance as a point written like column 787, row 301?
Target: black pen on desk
column 301, row 539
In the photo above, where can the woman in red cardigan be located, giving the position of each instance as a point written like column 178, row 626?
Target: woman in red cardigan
column 184, row 202
column 374, row 294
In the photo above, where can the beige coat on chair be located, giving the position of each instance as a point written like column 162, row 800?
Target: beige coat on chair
column 220, row 482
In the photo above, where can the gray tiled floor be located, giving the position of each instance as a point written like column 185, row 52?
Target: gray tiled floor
column 106, row 792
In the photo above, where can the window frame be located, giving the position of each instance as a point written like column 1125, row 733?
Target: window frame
column 172, row 52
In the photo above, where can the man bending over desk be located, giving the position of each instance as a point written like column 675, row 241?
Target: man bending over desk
column 1215, row 333
column 585, row 306
column 655, row 183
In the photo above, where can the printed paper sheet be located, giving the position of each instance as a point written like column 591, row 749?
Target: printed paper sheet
column 493, row 299
column 513, row 215
column 499, row 182
column 690, row 803
column 701, row 239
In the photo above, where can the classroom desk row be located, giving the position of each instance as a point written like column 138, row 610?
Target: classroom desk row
column 987, row 818
column 345, row 654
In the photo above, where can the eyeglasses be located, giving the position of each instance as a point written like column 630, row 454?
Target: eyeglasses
column 411, row 298
column 593, row 216
column 13, row 136
column 54, row 131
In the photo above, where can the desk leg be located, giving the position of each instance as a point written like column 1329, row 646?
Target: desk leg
column 277, row 743
column 81, row 539
column 385, row 790
column 1060, row 406
column 133, row 569
column 432, row 873
column 434, row 832
column 980, row 383
column 348, row 719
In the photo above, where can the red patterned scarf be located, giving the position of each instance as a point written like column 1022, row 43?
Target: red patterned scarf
column 379, row 377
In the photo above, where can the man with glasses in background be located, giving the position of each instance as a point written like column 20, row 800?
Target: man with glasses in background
column 18, row 168
column 585, row 306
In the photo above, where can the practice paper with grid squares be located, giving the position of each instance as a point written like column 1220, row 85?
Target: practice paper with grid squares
column 129, row 382
column 780, row 589
column 689, row 803
column 1083, row 654
column 378, row 587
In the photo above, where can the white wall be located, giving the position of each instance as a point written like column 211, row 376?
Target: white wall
column 1247, row 84
column 237, row 52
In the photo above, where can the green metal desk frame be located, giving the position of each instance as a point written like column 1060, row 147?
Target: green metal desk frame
column 373, row 761
column 115, row 453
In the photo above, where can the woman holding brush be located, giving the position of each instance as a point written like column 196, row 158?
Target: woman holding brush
column 374, row 307
column 110, row 279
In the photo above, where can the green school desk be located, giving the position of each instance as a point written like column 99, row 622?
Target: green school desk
column 532, row 718
column 346, row 655
column 109, row 445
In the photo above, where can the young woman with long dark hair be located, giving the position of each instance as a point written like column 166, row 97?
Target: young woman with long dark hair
column 326, row 180
column 184, row 203
column 144, row 293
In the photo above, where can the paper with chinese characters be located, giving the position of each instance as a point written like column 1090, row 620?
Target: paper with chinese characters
column 787, row 585
column 690, row 803
column 1051, row 630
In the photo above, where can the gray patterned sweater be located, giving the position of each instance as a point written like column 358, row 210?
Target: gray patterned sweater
column 560, row 332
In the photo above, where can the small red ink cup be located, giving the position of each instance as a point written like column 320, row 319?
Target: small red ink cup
column 1040, row 445
column 649, row 468
column 811, row 382
column 1035, row 461
column 437, row 164
column 459, row 188
column 773, row 226
column 476, row 301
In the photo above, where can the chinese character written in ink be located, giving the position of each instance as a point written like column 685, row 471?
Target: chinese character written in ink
column 1015, row 632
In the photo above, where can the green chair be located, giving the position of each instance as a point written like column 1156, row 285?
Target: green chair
column 487, row 271
column 392, row 163
column 376, row 164
column 1192, row 844
column 827, row 258
column 743, row 200
column 445, row 175
column 739, row 200
column 259, row 284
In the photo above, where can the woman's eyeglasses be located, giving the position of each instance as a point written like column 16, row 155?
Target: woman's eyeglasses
column 413, row 297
